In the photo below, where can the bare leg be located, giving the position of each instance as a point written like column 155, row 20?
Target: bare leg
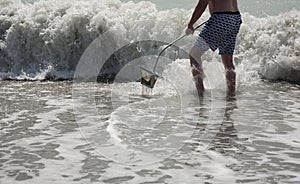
column 230, row 71
column 197, row 70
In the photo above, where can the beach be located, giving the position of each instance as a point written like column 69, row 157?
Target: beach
column 73, row 109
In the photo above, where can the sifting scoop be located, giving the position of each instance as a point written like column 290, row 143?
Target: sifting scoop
column 149, row 78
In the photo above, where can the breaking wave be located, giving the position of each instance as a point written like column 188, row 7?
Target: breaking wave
column 45, row 40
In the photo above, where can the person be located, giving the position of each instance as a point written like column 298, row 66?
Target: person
column 219, row 32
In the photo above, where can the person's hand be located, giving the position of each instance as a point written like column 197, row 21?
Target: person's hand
column 189, row 31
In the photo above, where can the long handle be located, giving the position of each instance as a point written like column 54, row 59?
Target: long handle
column 173, row 44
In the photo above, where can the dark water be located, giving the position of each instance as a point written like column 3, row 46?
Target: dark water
column 49, row 135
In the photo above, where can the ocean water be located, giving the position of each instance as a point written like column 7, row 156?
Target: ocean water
column 44, row 40
column 258, row 8
column 72, row 110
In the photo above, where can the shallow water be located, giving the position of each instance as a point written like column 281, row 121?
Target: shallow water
column 65, row 132
column 51, row 133
column 68, row 132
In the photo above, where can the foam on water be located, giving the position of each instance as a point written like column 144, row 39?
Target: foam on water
column 270, row 46
column 257, row 140
column 45, row 40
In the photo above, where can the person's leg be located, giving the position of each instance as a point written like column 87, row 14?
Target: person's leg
column 197, row 70
column 229, row 71
column 231, row 25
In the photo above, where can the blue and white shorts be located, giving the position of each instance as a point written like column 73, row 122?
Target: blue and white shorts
column 220, row 32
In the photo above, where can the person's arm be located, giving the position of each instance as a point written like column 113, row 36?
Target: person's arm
column 200, row 8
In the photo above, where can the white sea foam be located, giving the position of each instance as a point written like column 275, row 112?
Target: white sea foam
column 50, row 34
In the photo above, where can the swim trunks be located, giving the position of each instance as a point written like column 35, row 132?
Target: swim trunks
column 220, row 32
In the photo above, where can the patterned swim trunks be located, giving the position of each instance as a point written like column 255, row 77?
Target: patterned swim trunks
column 220, row 32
